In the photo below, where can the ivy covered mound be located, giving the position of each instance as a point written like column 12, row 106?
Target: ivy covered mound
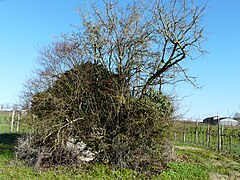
column 85, row 116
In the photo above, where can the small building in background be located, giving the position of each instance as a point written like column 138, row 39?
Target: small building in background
column 211, row 120
column 228, row 122
column 225, row 121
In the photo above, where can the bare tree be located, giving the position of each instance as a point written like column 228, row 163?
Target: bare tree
column 144, row 43
column 237, row 116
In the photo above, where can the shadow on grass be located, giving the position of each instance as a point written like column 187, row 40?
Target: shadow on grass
column 9, row 138
column 7, row 147
column 8, row 142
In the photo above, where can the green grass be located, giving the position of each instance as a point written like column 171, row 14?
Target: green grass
column 191, row 163
column 5, row 124
column 210, row 162
column 185, row 171
column 4, row 117
column 230, row 136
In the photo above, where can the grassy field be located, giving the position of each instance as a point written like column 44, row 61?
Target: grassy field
column 198, row 135
column 5, row 124
column 5, row 120
column 191, row 163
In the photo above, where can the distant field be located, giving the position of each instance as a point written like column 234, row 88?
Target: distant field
column 4, row 117
column 5, row 124
column 5, row 120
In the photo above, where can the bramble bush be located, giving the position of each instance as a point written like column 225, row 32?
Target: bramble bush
column 84, row 105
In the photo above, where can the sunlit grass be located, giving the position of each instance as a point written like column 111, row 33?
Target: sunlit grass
column 191, row 163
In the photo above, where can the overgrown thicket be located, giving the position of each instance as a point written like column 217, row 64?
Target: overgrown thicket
column 84, row 105
column 97, row 95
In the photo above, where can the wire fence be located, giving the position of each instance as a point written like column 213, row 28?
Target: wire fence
column 216, row 137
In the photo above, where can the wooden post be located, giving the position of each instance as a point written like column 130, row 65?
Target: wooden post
column 222, row 137
column 184, row 135
column 208, row 136
column 196, row 133
column 219, row 136
column 13, row 115
column 230, row 143
column 18, row 122
column 201, row 135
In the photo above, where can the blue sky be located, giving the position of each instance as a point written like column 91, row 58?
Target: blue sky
column 218, row 71
column 26, row 25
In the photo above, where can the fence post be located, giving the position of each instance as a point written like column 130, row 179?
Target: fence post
column 196, row 132
column 219, row 136
column 230, row 143
column 13, row 115
column 222, row 137
column 18, row 121
column 184, row 135
column 208, row 136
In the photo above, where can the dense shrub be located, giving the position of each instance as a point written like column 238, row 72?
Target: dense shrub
column 85, row 105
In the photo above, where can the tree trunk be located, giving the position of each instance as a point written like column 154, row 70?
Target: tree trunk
column 13, row 115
